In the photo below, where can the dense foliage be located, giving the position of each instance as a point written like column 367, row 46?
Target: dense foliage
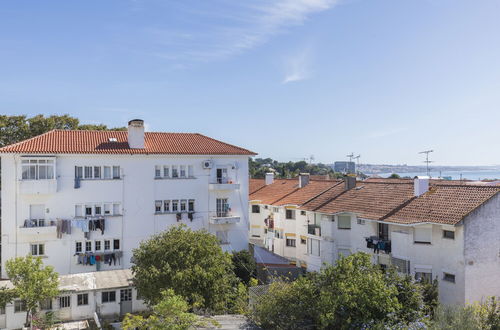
column 18, row 128
column 244, row 266
column 260, row 166
column 33, row 283
column 191, row 263
column 352, row 294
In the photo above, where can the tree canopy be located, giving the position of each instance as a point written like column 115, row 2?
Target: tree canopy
column 245, row 267
column 32, row 281
column 189, row 262
column 18, row 128
column 258, row 168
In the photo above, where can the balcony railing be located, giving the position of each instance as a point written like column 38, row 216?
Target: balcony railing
column 314, row 230
column 378, row 244
column 34, row 223
column 223, row 217
column 223, row 184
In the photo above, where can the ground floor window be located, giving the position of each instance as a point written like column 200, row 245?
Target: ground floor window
column 82, row 299
column 19, row 306
column 65, row 302
column 291, row 242
column 108, row 296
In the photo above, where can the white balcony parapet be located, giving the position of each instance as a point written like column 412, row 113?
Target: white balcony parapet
column 223, row 218
column 38, row 187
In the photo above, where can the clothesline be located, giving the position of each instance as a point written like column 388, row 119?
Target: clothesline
column 86, row 225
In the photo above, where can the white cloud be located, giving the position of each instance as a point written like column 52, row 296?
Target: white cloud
column 229, row 28
column 297, row 67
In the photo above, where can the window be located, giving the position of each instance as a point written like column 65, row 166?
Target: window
column 166, row 206
column 82, row 299
column 278, row 233
column 303, row 240
column 46, row 305
column 290, row 214
column 107, row 208
column 19, row 306
column 157, row 171
column 116, row 244
column 116, row 172
column 88, row 210
column 302, row 212
column 182, row 171
column 97, row 245
column 291, row 242
column 190, row 171
column 448, row 234
column 422, row 235
column 175, row 205
column 166, row 171
column 255, row 231
column 88, row 246
column 191, row 205
column 175, row 173
column 125, row 294
column 108, row 296
column 222, row 236
column 276, row 210
column 78, row 247
column 313, row 247
column 344, row 222
column 78, row 172
column 78, row 210
column 88, row 172
column 423, row 277
column 401, row 265
column 116, row 209
column 449, row 277
column 97, row 172
column 37, row 249
column 158, row 206
column 107, row 172
column 2, row 310
column 98, row 210
column 361, row 221
column 107, row 245
column 255, row 209
column 65, row 302
column 183, row 205
column 37, row 169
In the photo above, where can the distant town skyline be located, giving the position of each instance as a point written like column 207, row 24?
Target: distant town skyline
column 285, row 78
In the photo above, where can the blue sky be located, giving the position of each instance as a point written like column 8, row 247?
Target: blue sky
column 285, row 78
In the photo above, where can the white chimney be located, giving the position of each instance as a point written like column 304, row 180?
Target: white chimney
column 420, row 185
column 303, row 180
column 269, row 178
column 136, row 134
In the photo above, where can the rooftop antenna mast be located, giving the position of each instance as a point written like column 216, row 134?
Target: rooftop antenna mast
column 427, row 161
column 357, row 161
column 351, row 156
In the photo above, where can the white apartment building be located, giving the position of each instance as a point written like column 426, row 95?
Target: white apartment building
column 444, row 230
column 83, row 200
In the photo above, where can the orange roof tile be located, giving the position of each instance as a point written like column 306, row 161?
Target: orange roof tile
column 98, row 142
column 303, row 195
column 255, row 184
column 275, row 191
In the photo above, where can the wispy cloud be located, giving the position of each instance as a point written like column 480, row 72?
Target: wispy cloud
column 227, row 28
column 298, row 66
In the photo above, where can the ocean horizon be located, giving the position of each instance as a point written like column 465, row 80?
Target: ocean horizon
column 453, row 175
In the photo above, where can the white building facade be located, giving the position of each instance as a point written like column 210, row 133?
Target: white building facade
column 83, row 200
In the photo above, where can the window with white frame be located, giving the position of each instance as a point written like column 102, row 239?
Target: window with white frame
column 175, row 171
column 182, row 171
column 313, row 247
column 166, row 206
column 191, row 205
column 157, row 171
column 166, row 171
column 290, row 214
column 88, row 246
column 107, row 172
column 344, row 222
column 37, row 169
column 422, row 234
column 158, row 205
column 255, row 208
column 449, row 277
column 126, row 295
column 78, row 247
column 183, row 205
column 175, row 205
column 116, row 172
column 107, row 245
column 97, row 245
column 88, row 172
column 276, row 210
column 37, row 249
column 190, row 171
column 97, row 172
column 97, row 209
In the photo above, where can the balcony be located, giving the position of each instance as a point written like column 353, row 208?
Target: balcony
column 379, row 245
column 38, row 227
column 314, row 230
column 223, row 218
column 224, row 184
column 38, row 187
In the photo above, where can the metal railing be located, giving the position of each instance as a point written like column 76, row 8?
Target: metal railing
column 32, row 223
column 314, row 230
column 223, row 180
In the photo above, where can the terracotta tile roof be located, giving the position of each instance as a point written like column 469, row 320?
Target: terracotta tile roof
column 303, row 195
column 446, row 204
column 255, row 184
column 98, row 142
column 275, row 191
column 324, row 197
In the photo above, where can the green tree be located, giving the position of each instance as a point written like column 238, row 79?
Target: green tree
column 170, row 313
column 32, row 281
column 430, row 293
column 191, row 263
column 244, row 265
column 394, row 176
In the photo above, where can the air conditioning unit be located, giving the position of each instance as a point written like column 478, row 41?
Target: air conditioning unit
column 207, row 164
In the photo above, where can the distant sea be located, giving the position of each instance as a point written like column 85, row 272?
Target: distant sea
column 454, row 175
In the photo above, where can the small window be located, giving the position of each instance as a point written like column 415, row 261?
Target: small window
column 175, row 172
column 98, row 210
column 290, row 214
column 97, row 172
column 46, row 305
column 65, row 302
column 157, row 171
column 116, row 172
column 88, row 172
column 116, row 244
column 191, row 205
column 302, row 212
column 276, row 210
column 107, row 208
column 158, row 205
column 19, row 306
column 175, row 205
column 82, row 299
column 344, row 222
column 183, row 205
column 183, row 171
column 303, row 241
column 37, row 249
column 78, row 247
column 107, row 172
column 166, row 171
column 78, row 211
column 291, row 242
column 422, row 235
column 361, row 221
column 88, row 210
column 97, row 245
column 255, row 209
column 88, row 246
column 423, row 277
column 108, row 296
column 449, row 277
column 448, row 234
column 107, row 245
column 78, row 172
column 190, row 171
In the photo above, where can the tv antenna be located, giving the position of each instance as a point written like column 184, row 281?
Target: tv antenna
column 351, row 156
column 357, row 161
column 427, row 161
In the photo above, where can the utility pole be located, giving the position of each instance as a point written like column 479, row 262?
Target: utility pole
column 427, row 161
